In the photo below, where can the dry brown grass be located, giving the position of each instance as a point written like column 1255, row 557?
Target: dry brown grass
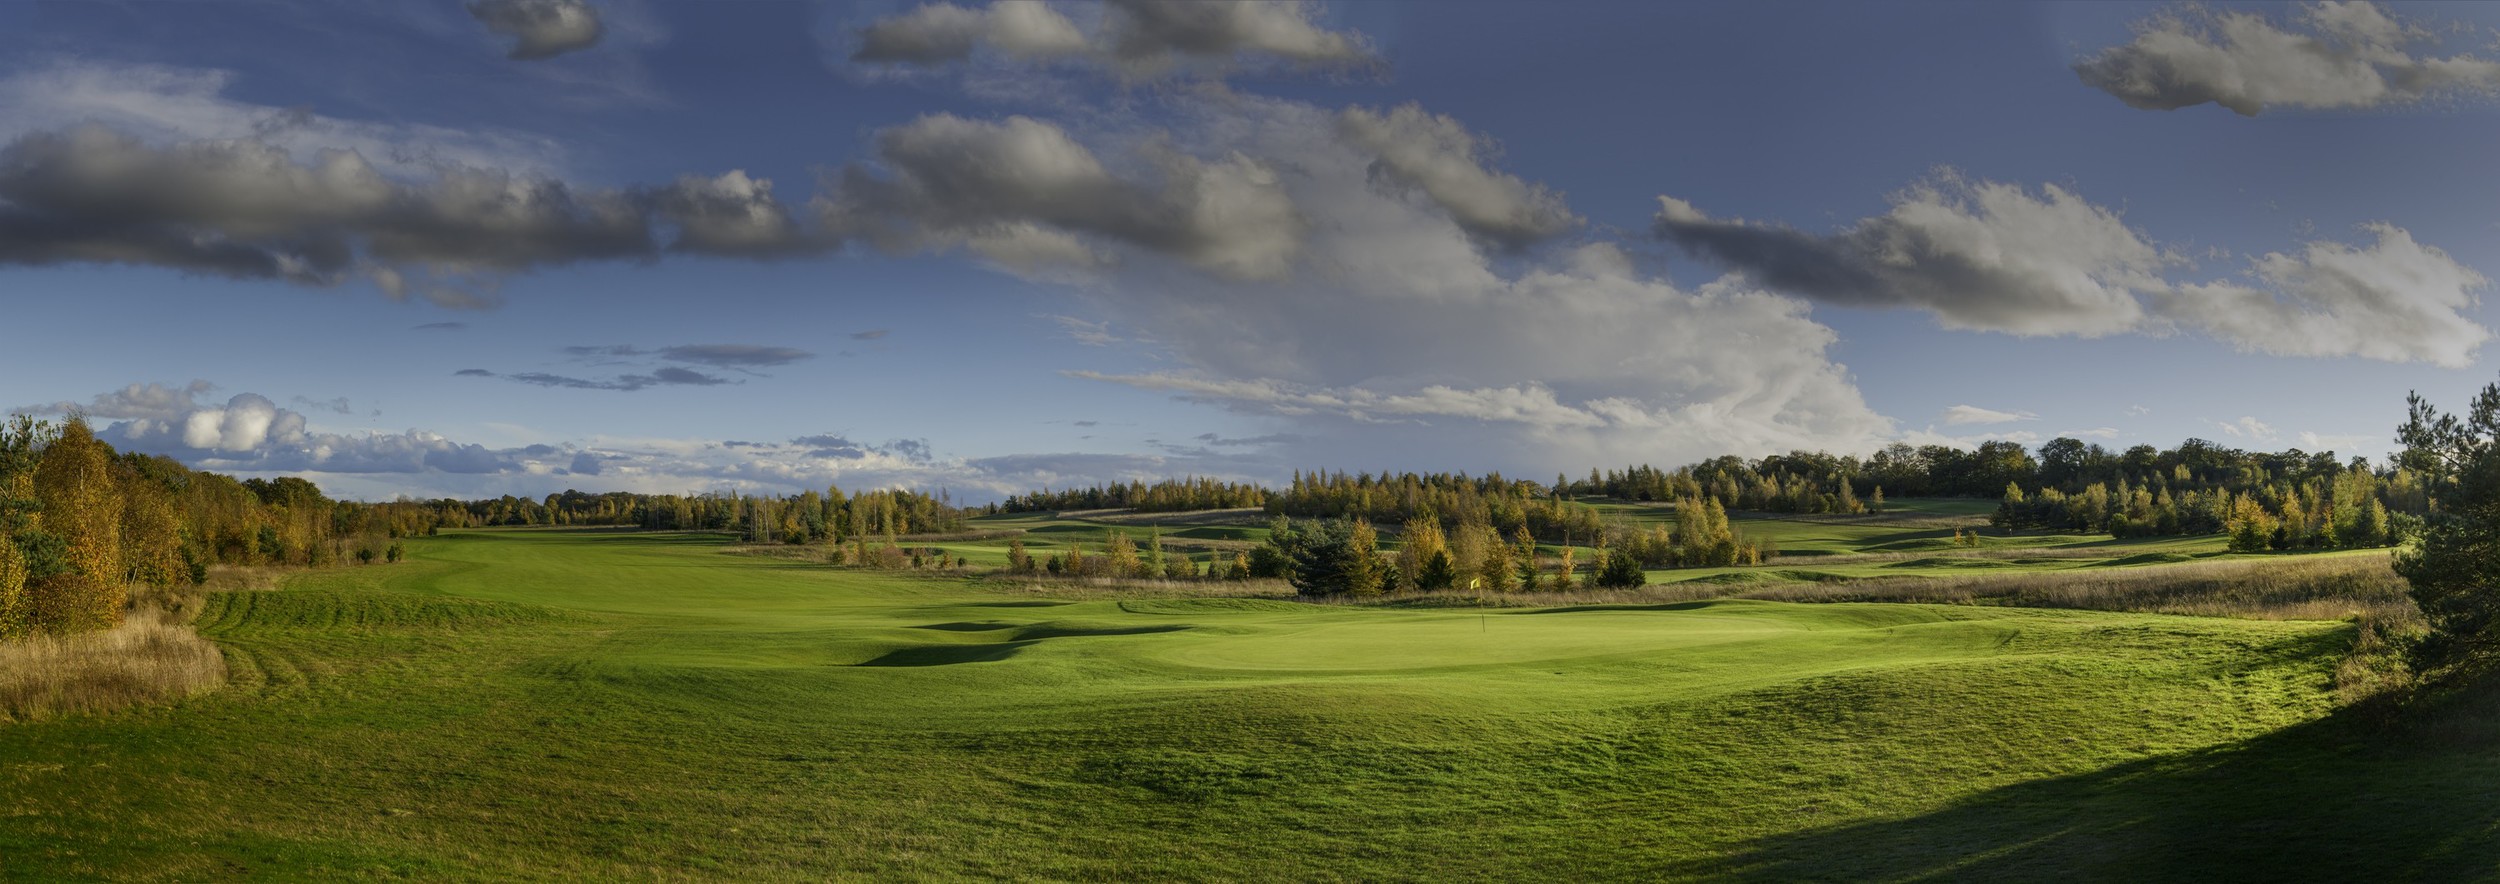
column 154, row 655
column 2271, row 588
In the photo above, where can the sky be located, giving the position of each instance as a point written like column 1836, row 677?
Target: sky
column 519, row 246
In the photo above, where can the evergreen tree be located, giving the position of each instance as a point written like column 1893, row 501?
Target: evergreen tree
column 1619, row 570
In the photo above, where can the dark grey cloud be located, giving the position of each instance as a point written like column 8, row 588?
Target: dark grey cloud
column 248, row 209
column 2332, row 55
column 339, row 405
column 734, row 355
column 665, row 376
column 829, row 445
column 442, row 326
column 1248, row 441
column 871, row 334
column 1978, row 255
column 1134, row 38
column 595, row 351
column 541, row 28
column 1446, row 161
column 744, row 358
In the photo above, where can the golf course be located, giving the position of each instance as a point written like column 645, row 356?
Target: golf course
column 601, row 704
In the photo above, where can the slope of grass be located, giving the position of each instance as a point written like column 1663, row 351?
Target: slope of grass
column 540, row 704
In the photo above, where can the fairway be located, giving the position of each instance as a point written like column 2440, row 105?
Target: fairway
column 587, row 704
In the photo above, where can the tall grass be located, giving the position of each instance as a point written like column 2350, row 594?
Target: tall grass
column 153, row 656
column 2269, row 588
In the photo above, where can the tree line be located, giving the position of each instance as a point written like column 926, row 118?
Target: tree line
column 80, row 523
column 1166, row 496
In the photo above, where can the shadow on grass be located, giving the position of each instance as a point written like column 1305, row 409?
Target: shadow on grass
column 949, row 655
column 2339, row 799
column 1053, row 630
column 1666, row 606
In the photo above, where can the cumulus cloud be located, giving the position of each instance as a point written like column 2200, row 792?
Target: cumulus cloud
column 1986, row 256
column 2394, row 300
column 944, row 32
column 161, row 104
column 1960, row 415
column 1012, row 190
column 268, row 205
column 247, row 432
column 733, row 215
column 1979, row 255
column 2105, row 433
column 541, row 28
column 2332, row 55
column 1398, row 332
column 1440, row 157
column 1134, row 38
column 150, row 400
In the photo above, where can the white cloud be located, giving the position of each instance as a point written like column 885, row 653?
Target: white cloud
column 1393, row 330
column 2105, row 433
column 1960, row 415
column 248, row 434
column 2394, row 300
column 1929, row 436
column 2344, row 442
column 2248, row 428
column 2335, row 55
column 541, row 28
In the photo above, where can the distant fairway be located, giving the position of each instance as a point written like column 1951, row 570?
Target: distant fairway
column 545, row 704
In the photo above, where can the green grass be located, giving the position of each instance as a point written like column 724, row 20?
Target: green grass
column 543, row 704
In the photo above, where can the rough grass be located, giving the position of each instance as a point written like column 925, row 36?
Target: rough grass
column 151, row 657
column 535, row 705
column 2263, row 588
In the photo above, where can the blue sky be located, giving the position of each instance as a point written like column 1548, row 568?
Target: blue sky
column 516, row 246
